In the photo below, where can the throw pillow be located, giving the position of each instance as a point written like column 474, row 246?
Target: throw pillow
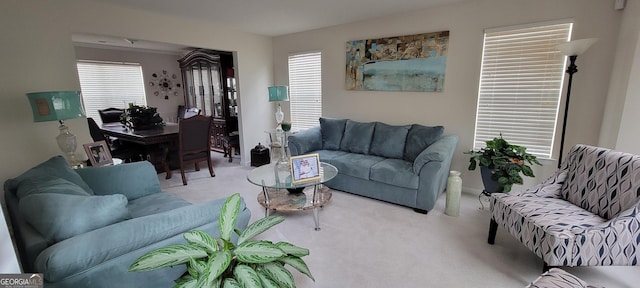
column 357, row 137
column 332, row 131
column 56, row 167
column 388, row 141
column 136, row 179
column 61, row 216
column 419, row 138
column 49, row 184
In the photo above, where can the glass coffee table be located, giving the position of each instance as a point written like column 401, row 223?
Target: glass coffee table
column 280, row 194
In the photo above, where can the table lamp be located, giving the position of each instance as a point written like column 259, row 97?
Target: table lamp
column 58, row 106
column 277, row 94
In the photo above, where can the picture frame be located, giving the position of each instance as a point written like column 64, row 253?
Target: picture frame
column 305, row 168
column 98, row 153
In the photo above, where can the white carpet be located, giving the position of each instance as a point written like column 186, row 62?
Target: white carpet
column 369, row 243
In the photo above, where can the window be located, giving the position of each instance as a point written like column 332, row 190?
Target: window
column 305, row 89
column 521, row 85
column 108, row 84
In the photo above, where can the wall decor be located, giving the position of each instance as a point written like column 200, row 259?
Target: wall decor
column 164, row 84
column 401, row 63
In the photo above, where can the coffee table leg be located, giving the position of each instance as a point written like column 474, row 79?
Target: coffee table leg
column 316, row 218
column 267, row 202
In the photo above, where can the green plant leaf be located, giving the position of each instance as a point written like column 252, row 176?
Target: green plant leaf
column 187, row 283
column 196, row 267
column 229, row 215
column 247, row 277
column 258, row 227
column 258, row 252
column 218, row 263
column 266, row 281
column 230, row 283
column 203, row 239
column 279, row 274
column 167, row 256
column 298, row 264
column 292, row 249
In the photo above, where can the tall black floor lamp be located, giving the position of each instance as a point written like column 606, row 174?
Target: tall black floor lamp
column 571, row 49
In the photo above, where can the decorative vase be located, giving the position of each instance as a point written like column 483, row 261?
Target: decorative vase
column 454, row 191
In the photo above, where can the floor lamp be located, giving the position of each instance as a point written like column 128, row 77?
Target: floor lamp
column 571, row 49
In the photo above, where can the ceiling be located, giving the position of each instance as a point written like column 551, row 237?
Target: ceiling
column 263, row 17
column 279, row 17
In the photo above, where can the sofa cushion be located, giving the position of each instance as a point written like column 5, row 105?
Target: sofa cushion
column 329, row 155
column 332, row 131
column 395, row 172
column 49, row 184
column 388, row 140
column 61, row 216
column 357, row 137
column 356, row 165
column 55, row 167
column 107, row 180
column 419, row 138
column 154, row 204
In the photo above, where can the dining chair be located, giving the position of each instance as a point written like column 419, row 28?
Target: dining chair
column 194, row 143
column 110, row 115
column 128, row 153
column 188, row 113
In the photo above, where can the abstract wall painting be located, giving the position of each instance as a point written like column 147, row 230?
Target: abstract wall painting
column 401, row 63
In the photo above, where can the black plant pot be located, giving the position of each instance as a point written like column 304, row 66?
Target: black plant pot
column 490, row 185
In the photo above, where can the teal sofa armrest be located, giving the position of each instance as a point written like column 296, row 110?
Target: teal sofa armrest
column 432, row 165
column 305, row 141
column 83, row 254
column 134, row 180
column 439, row 151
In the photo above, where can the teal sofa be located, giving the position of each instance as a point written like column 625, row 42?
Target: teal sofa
column 406, row 165
column 84, row 228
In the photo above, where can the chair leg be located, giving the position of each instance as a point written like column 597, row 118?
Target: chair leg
column 213, row 174
column 493, row 228
column 197, row 166
column 184, row 179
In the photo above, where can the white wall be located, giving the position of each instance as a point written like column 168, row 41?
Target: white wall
column 626, row 95
column 455, row 107
column 37, row 54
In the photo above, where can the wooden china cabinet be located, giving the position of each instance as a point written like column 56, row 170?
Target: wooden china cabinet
column 210, row 84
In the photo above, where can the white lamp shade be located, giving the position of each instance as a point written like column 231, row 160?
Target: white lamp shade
column 576, row 47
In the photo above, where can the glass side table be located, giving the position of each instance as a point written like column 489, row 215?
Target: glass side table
column 276, row 183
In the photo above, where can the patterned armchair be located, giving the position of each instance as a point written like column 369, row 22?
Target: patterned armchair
column 586, row 214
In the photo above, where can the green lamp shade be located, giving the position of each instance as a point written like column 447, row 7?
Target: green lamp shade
column 55, row 105
column 278, row 93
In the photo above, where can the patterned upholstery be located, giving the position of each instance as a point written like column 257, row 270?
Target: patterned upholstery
column 586, row 214
column 558, row 278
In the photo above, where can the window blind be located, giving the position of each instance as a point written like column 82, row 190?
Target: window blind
column 108, row 84
column 521, row 85
column 305, row 89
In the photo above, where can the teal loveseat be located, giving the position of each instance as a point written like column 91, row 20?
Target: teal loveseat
column 406, row 165
column 84, row 228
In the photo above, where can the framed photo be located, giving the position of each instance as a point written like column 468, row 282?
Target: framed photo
column 98, row 153
column 305, row 168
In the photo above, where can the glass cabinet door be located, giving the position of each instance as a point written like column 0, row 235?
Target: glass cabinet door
column 204, row 88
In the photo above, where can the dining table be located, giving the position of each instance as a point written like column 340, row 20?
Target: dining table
column 158, row 143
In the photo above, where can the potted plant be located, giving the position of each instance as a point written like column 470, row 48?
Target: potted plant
column 217, row 262
column 502, row 164
column 141, row 117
